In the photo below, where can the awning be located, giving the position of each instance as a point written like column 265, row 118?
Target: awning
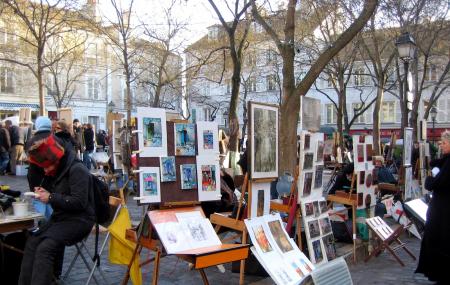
column 17, row 106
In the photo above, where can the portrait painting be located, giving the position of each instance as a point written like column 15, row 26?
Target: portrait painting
column 149, row 187
column 323, row 207
column 369, row 152
column 319, row 152
column 313, row 227
column 208, row 177
column 316, row 209
column 307, row 184
column 152, row 132
column 263, row 140
column 362, row 177
column 318, row 176
column 309, row 209
column 308, row 160
column 330, row 247
column 279, row 236
column 168, row 170
column 317, row 249
column 185, row 139
column 369, row 180
column 325, row 225
column 188, row 176
column 261, row 238
column 360, row 152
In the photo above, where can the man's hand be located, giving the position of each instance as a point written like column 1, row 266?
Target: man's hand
column 42, row 194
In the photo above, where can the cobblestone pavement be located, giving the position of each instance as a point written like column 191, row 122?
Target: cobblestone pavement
column 381, row 270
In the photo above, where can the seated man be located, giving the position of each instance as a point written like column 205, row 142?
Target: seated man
column 68, row 182
column 343, row 180
column 382, row 173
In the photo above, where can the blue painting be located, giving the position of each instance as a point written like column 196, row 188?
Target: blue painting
column 152, row 132
column 208, row 139
column 185, row 139
column 168, row 170
column 188, row 175
column 150, row 184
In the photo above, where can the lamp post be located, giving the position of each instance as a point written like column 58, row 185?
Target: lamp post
column 111, row 106
column 406, row 47
column 433, row 114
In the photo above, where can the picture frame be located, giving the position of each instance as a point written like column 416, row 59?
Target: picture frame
column 407, row 146
column 263, row 136
column 318, row 176
column 149, row 187
column 184, row 139
column 188, row 176
column 207, row 138
column 168, row 169
column 152, row 131
column 319, row 151
column 308, row 160
column 260, row 203
column 307, row 185
column 208, row 178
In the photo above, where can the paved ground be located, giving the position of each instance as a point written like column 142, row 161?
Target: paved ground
column 381, row 270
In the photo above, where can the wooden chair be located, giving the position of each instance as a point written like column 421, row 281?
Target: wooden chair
column 385, row 237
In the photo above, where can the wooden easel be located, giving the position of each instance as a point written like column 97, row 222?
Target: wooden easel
column 348, row 199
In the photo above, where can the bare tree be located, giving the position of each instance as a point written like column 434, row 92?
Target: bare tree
column 286, row 46
column 36, row 22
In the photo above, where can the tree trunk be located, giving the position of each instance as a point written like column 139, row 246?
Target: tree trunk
column 232, row 113
column 376, row 121
column 39, row 73
column 288, row 133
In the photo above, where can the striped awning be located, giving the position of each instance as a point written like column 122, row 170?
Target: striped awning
column 17, row 106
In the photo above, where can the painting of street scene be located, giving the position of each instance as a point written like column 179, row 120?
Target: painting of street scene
column 150, row 184
column 152, row 132
column 185, row 139
column 168, row 170
column 188, row 176
column 209, row 178
column 208, row 139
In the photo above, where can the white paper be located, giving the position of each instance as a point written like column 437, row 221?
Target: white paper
column 419, row 207
column 160, row 148
column 172, row 236
column 188, row 215
column 199, row 232
column 208, row 178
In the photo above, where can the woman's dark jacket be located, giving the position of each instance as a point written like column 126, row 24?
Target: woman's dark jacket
column 435, row 249
column 89, row 139
column 67, row 138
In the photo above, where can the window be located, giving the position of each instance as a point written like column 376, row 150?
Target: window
column 271, row 83
column 91, row 54
column 388, row 112
column 251, row 59
column 355, row 109
column 330, row 81
column 206, row 114
column 391, row 75
column 50, row 84
column 6, row 34
column 331, row 114
column 271, row 56
column 213, row 32
column 359, row 77
column 251, row 84
column 6, row 80
column 92, row 88
column 431, row 73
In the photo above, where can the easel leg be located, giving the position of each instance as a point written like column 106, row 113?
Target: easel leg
column 242, row 268
column 354, row 232
column 299, row 230
column 137, row 250
column 156, row 267
column 204, row 278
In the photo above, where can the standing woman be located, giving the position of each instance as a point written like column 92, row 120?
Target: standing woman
column 435, row 248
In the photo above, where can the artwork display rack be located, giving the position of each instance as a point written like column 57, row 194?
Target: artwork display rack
column 146, row 237
column 291, row 208
column 351, row 200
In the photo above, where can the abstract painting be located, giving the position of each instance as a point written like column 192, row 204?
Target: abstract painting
column 188, row 177
column 168, row 170
column 149, row 188
column 208, row 139
column 152, row 134
column 185, row 139
column 263, row 140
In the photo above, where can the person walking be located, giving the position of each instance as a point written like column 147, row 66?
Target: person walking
column 88, row 135
column 435, row 247
column 5, row 144
column 17, row 142
column 78, row 138
column 73, row 210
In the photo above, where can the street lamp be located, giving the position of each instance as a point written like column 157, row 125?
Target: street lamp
column 433, row 114
column 111, row 106
column 406, row 47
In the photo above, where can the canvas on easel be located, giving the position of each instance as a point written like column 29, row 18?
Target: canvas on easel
column 152, row 126
column 149, row 185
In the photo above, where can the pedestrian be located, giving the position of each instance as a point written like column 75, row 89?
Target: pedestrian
column 62, row 131
column 17, row 138
column 78, row 138
column 101, row 139
column 435, row 247
column 73, row 213
column 89, row 144
column 5, row 144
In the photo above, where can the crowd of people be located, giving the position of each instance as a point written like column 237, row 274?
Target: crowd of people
column 82, row 138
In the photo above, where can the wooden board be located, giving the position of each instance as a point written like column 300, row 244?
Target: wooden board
column 214, row 255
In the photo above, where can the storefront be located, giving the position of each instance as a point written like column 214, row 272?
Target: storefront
column 12, row 109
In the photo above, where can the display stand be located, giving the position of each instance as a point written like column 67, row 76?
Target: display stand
column 288, row 208
column 348, row 199
column 200, row 258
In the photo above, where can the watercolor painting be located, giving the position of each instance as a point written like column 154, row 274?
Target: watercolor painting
column 168, row 169
column 152, row 132
column 208, row 177
column 185, row 139
column 188, row 176
column 208, row 139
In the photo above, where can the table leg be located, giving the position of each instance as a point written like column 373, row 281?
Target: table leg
column 354, row 232
column 204, row 278
column 156, row 267
column 242, row 268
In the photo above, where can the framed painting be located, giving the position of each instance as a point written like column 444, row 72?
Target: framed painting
column 149, row 187
column 207, row 138
column 168, row 169
column 407, row 146
column 319, row 152
column 188, row 176
column 185, row 139
column 208, row 178
column 260, row 199
column 153, row 131
column 263, row 135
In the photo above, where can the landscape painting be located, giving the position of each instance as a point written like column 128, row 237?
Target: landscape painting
column 185, row 139
column 263, row 140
